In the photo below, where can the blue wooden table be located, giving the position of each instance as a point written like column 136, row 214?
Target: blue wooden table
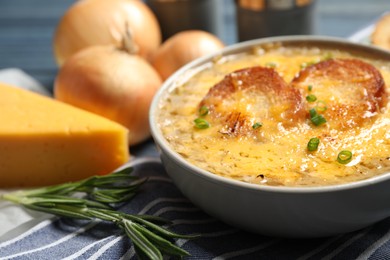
column 27, row 27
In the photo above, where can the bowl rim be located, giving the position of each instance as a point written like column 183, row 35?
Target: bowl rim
column 191, row 67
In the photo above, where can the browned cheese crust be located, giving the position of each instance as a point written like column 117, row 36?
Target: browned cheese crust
column 348, row 93
column 351, row 92
column 251, row 95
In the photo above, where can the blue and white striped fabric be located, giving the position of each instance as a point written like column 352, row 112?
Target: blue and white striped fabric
column 59, row 238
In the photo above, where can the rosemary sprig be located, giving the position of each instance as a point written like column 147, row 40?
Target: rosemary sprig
column 94, row 198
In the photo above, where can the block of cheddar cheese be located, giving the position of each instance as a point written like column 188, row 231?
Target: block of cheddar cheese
column 44, row 141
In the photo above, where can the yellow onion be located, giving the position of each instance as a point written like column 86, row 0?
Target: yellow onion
column 381, row 33
column 112, row 83
column 100, row 22
column 182, row 48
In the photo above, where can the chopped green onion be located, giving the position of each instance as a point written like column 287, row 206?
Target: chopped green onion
column 310, row 88
column 328, row 56
column 311, row 98
column 307, row 64
column 318, row 120
column 203, row 110
column 315, row 118
column 321, row 106
column 270, row 64
column 312, row 112
column 201, row 123
column 257, row 125
column 344, row 157
column 312, row 145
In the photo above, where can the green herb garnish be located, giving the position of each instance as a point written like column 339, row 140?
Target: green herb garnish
column 321, row 106
column 310, row 88
column 201, row 123
column 313, row 143
column 307, row 64
column 328, row 56
column 257, row 125
column 316, row 118
column 344, row 157
column 271, row 64
column 203, row 111
column 311, row 98
column 93, row 198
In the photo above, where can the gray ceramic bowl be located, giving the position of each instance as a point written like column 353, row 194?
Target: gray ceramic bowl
column 276, row 211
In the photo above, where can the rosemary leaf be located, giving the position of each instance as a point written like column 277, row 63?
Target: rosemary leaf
column 104, row 196
column 140, row 254
column 157, row 228
column 116, row 178
column 155, row 219
column 93, row 198
column 65, row 188
column 74, row 213
column 140, row 240
column 104, row 215
column 55, row 199
column 161, row 243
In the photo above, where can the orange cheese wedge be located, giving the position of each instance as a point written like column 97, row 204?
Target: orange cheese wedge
column 44, row 141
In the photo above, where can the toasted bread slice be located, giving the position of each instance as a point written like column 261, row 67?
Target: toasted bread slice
column 252, row 95
column 348, row 92
column 381, row 34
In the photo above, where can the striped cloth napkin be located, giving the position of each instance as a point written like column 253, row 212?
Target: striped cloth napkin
column 60, row 238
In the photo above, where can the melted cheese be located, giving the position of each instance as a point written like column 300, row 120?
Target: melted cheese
column 276, row 155
column 43, row 141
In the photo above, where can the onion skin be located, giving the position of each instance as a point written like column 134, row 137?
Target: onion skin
column 100, row 22
column 182, row 48
column 111, row 83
